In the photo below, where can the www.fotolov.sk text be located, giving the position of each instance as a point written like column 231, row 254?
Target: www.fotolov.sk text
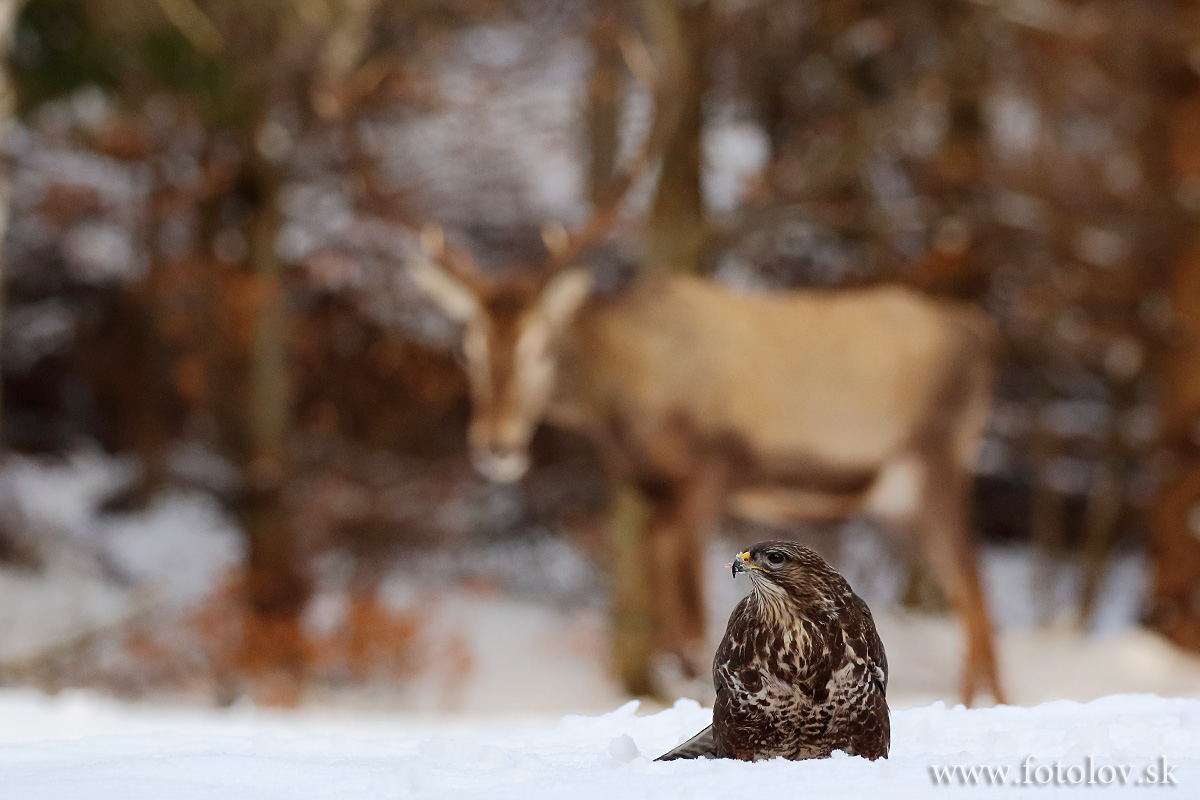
column 1032, row 773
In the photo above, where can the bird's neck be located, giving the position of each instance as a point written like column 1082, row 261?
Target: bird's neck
column 798, row 631
column 783, row 611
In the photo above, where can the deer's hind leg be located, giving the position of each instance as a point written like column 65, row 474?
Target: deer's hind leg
column 941, row 527
column 947, row 451
column 926, row 498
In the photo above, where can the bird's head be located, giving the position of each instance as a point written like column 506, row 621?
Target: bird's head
column 785, row 569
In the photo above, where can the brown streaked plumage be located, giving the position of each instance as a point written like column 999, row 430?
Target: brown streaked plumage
column 801, row 671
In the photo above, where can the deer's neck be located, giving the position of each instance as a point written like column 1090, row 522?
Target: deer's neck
column 575, row 401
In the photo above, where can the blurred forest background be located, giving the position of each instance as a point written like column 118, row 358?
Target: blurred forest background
column 234, row 430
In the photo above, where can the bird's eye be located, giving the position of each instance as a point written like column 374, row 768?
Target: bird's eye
column 775, row 558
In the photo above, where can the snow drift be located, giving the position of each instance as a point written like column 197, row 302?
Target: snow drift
column 82, row 748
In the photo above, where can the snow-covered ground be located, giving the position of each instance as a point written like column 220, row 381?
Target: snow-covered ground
column 82, row 748
column 524, row 655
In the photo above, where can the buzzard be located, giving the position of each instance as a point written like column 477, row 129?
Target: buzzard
column 801, row 671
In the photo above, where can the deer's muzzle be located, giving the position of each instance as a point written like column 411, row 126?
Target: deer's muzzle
column 499, row 463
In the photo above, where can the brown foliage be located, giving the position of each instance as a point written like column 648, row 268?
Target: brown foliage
column 274, row 659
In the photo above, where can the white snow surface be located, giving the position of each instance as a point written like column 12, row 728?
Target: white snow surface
column 491, row 729
column 101, row 573
column 82, row 747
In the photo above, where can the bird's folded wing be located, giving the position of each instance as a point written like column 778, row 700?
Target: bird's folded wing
column 701, row 745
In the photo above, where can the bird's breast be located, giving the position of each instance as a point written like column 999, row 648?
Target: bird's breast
column 769, row 669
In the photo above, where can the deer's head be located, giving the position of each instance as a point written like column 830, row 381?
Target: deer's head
column 509, row 342
column 511, row 329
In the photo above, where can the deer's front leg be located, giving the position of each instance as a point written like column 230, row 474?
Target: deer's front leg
column 687, row 512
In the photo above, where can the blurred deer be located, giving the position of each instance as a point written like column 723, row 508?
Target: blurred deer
column 774, row 407
column 778, row 408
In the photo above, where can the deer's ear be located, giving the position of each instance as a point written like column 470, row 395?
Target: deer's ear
column 565, row 293
column 453, row 296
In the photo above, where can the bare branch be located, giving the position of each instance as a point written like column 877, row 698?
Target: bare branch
column 666, row 120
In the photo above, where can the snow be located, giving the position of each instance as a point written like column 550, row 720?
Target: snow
column 502, row 660
column 98, row 573
column 78, row 746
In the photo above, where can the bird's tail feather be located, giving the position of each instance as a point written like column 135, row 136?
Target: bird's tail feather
column 702, row 745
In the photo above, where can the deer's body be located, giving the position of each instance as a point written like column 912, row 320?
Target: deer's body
column 779, row 407
column 842, row 383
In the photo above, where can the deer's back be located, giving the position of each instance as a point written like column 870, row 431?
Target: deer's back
column 846, row 378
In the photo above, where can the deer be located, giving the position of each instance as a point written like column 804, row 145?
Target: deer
column 775, row 407
column 778, row 408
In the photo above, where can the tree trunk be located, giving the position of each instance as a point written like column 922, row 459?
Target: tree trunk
column 952, row 263
column 676, row 231
column 604, row 99
column 674, row 239
column 9, row 11
column 269, row 406
column 632, row 596
column 10, row 547
column 1171, row 153
column 629, row 512
column 1175, row 518
column 277, row 585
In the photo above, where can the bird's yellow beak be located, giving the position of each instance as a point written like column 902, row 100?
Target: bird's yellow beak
column 741, row 563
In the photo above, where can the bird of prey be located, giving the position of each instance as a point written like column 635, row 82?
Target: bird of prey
column 801, row 671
